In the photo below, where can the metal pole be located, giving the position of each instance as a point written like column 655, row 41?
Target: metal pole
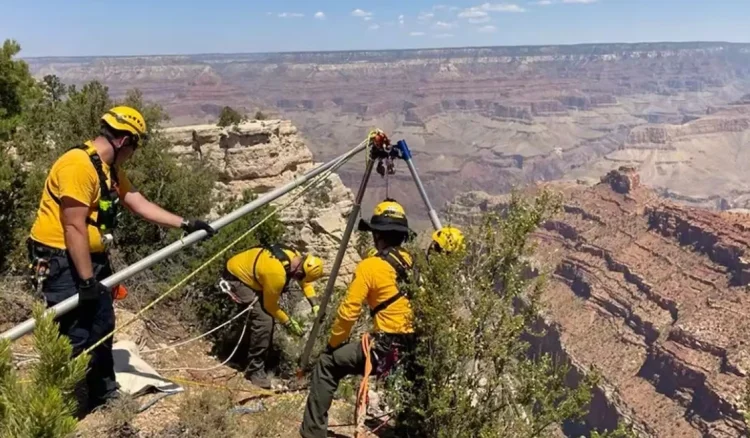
column 72, row 302
column 336, row 265
column 406, row 156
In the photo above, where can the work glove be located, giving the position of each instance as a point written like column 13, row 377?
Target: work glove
column 193, row 225
column 90, row 289
column 294, row 328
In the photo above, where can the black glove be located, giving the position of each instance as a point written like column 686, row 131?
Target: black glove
column 193, row 225
column 90, row 290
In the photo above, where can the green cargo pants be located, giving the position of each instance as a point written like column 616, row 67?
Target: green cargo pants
column 333, row 366
column 259, row 329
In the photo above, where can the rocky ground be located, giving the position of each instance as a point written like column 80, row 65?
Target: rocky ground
column 654, row 295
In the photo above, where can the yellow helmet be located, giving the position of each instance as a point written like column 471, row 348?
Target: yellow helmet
column 312, row 267
column 389, row 215
column 371, row 252
column 448, row 239
column 125, row 118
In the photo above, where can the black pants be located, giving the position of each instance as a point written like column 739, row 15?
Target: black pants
column 332, row 367
column 86, row 324
column 259, row 327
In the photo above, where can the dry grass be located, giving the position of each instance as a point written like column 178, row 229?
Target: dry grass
column 206, row 414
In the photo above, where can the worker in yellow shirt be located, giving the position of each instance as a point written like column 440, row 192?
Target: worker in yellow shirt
column 264, row 273
column 69, row 239
column 375, row 282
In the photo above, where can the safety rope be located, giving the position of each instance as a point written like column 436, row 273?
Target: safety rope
column 360, row 409
column 236, row 347
column 314, row 182
column 224, row 324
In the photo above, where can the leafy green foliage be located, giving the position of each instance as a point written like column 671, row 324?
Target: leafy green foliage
column 473, row 375
column 16, row 87
column 259, row 115
column 182, row 187
column 229, row 116
column 44, row 407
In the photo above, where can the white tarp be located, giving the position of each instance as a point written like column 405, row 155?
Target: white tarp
column 134, row 375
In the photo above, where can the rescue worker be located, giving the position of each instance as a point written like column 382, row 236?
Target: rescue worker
column 376, row 282
column 69, row 239
column 265, row 273
column 447, row 239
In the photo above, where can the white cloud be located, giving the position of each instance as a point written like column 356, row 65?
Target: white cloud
column 479, row 20
column 487, row 29
column 416, row 34
column 472, row 13
column 290, row 15
column 482, row 11
column 580, row 1
column 543, row 2
column 401, row 20
column 368, row 18
column 361, row 13
column 374, row 27
column 444, row 35
column 444, row 25
column 320, row 16
column 425, row 16
column 504, row 7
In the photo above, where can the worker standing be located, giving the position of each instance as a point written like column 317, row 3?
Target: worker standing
column 375, row 281
column 265, row 273
column 72, row 232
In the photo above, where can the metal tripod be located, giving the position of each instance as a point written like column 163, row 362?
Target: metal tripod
column 379, row 153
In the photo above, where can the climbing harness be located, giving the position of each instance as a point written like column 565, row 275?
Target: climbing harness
column 109, row 200
column 403, row 275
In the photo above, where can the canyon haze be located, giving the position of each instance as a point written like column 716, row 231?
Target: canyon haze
column 485, row 118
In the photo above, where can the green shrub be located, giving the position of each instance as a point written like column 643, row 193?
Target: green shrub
column 45, row 406
column 229, row 116
column 473, row 373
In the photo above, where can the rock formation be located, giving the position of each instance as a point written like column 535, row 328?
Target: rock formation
column 653, row 294
column 262, row 155
column 481, row 118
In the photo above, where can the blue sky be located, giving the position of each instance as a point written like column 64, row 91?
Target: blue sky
column 139, row 27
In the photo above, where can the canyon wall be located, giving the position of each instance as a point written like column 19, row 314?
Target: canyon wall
column 652, row 293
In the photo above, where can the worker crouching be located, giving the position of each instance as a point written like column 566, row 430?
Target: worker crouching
column 258, row 277
column 375, row 281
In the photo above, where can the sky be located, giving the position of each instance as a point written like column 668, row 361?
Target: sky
column 153, row 27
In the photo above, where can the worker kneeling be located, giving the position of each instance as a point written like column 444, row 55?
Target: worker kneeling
column 264, row 273
column 376, row 281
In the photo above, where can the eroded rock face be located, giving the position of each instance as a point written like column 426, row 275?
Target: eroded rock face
column 654, row 295
column 262, row 155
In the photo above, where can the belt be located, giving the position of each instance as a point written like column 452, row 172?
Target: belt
column 44, row 250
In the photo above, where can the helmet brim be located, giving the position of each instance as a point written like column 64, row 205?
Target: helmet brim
column 369, row 226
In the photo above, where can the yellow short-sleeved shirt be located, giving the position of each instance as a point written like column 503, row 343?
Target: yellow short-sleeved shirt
column 267, row 276
column 73, row 175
